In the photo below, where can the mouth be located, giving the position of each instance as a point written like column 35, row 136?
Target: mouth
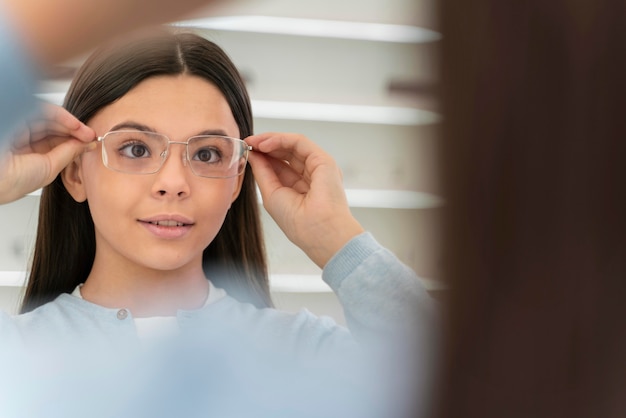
column 166, row 223
column 168, row 226
column 171, row 221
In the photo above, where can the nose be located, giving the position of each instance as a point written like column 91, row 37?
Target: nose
column 172, row 180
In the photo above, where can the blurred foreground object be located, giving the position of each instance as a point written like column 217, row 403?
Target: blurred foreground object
column 534, row 153
column 59, row 29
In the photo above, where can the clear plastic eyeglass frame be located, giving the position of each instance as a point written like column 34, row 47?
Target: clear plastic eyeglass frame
column 136, row 164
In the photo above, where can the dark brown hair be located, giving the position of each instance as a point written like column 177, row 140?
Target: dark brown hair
column 65, row 244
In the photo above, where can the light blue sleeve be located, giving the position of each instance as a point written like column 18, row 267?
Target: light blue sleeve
column 377, row 291
column 17, row 81
column 387, row 307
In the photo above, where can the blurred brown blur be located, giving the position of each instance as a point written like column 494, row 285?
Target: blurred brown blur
column 534, row 150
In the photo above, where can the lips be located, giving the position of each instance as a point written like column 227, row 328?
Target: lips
column 168, row 220
column 167, row 223
column 167, row 226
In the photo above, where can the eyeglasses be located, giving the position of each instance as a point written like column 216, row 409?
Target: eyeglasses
column 139, row 152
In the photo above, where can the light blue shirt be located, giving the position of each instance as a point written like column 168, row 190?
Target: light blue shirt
column 232, row 358
column 18, row 80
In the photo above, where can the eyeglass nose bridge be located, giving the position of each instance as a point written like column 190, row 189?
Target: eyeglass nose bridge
column 166, row 153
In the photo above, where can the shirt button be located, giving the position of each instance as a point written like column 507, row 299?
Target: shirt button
column 122, row 314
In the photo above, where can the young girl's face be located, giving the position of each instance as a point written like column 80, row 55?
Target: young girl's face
column 125, row 207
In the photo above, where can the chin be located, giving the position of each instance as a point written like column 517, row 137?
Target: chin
column 165, row 263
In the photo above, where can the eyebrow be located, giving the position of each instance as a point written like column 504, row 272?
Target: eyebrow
column 144, row 128
column 132, row 125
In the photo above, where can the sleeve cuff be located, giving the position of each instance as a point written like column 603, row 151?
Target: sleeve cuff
column 346, row 260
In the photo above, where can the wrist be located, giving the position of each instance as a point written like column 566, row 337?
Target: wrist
column 330, row 239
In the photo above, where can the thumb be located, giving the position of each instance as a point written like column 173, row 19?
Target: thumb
column 265, row 177
column 63, row 154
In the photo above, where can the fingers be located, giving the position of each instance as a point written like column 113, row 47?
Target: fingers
column 60, row 120
column 57, row 113
column 43, row 128
column 266, row 174
column 22, row 174
column 296, row 149
column 305, row 159
column 62, row 155
column 272, row 174
column 53, row 121
column 302, row 190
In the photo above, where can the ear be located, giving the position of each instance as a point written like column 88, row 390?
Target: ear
column 72, row 177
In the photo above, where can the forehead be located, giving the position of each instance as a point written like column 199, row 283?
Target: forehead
column 177, row 106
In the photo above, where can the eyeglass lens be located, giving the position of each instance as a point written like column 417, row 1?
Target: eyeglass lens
column 140, row 152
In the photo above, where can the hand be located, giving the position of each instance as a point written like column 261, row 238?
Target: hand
column 45, row 146
column 301, row 186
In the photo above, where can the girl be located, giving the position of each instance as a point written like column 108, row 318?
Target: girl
column 155, row 229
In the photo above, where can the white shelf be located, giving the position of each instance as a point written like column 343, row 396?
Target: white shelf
column 392, row 199
column 12, row 278
column 323, row 28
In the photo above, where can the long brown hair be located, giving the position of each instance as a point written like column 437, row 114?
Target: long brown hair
column 65, row 244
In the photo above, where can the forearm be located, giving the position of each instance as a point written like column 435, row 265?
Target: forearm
column 54, row 30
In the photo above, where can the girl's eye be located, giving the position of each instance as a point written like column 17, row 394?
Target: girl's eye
column 207, row 155
column 135, row 150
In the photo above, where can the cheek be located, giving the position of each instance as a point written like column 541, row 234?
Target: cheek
column 107, row 214
column 218, row 197
column 108, row 193
column 213, row 206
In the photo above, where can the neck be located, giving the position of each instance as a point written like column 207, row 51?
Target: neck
column 145, row 291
